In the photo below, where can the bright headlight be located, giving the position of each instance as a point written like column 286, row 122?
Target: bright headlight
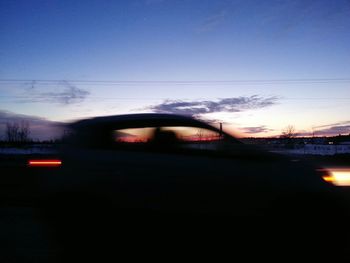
column 338, row 176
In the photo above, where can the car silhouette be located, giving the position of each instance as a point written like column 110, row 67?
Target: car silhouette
column 166, row 176
column 180, row 164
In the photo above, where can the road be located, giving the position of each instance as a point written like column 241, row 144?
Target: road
column 27, row 237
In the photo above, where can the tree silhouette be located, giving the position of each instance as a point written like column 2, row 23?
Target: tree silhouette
column 288, row 132
column 17, row 132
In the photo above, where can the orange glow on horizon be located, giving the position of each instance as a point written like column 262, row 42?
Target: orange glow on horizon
column 132, row 140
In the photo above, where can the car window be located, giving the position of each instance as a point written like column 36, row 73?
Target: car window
column 169, row 138
column 134, row 135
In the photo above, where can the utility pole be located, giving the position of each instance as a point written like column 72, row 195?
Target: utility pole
column 220, row 129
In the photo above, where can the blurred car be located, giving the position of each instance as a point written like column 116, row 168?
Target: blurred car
column 170, row 163
column 132, row 174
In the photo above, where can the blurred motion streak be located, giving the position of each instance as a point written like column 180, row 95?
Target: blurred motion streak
column 338, row 176
column 44, row 163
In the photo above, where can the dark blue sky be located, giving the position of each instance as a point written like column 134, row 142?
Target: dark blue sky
column 177, row 40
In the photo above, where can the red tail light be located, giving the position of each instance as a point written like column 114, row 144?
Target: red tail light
column 45, row 163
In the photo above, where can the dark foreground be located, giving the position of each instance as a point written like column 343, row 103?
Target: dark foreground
column 104, row 235
column 73, row 229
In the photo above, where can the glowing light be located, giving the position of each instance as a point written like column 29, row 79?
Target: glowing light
column 45, row 163
column 328, row 178
column 338, row 176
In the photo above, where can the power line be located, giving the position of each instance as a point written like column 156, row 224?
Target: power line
column 86, row 98
column 315, row 98
column 177, row 82
column 154, row 98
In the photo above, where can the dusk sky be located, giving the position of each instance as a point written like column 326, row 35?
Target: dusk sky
column 256, row 66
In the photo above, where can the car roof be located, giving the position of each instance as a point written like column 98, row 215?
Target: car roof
column 140, row 120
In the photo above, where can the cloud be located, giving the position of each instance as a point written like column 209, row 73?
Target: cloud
column 342, row 123
column 212, row 121
column 40, row 128
column 213, row 21
column 342, row 127
column 64, row 94
column 291, row 16
column 256, row 129
column 328, row 130
column 334, row 130
column 195, row 108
